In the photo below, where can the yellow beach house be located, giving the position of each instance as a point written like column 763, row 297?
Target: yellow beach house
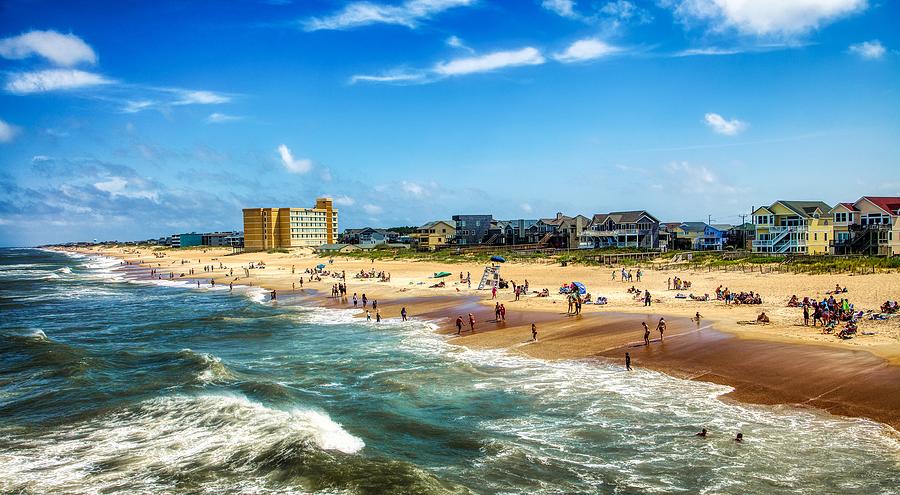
column 784, row 227
column 270, row 228
column 434, row 235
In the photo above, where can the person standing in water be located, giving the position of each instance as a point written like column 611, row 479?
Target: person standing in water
column 661, row 326
column 355, row 299
column 646, row 333
column 628, row 361
column 377, row 316
column 368, row 316
column 533, row 332
column 459, row 324
column 403, row 313
column 472, row 322
column 365, row 299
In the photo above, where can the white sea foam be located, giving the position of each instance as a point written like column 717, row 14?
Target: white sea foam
column 163, row 439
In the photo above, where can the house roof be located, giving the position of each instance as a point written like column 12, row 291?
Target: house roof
column 723, row 227
column 806, row 208
column 890, row 204
column 693, row 226
column 429, row 225
column 335, row 247
column 623, row 216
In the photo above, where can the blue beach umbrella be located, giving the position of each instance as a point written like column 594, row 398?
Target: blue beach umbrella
column 321, row 265
column 580, row 286
column 498, row 259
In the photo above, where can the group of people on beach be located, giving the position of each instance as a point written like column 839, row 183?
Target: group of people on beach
column 627, row 276
column 737, row 297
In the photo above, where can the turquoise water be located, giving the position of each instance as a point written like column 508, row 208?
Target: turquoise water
column 110, row 384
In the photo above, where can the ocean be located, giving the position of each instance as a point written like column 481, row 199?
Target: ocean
column 111, row 383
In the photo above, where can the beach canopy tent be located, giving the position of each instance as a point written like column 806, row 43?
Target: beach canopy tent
column 498, row 259
column 442, row 274
column 580, row 286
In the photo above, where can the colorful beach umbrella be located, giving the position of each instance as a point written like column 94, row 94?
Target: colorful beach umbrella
column 442, row 274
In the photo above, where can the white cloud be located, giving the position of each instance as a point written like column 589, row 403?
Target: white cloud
column 39, row 158
column 712, row 50
column 869, row 50
column 490, row 62
column 291, row 164
column 526, row 207
column 622, row 9
column 394, row 77
column 136, row 106
column 220, row 118
column 372, row 209
column 344, row 200
column 412, row 188
column 8, row 132
column 118, row 186
column 721, row 125
column 408, row 13
column 564, row 8
column 61, row 49
column 456, row 42
column 52, row 80
column 200, row 98
column 586, row 49
column 697, row 179
column 766, row 17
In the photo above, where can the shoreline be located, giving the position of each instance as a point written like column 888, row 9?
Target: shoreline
column 766, row 371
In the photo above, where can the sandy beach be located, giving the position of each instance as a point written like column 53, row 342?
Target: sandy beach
column 782, row 362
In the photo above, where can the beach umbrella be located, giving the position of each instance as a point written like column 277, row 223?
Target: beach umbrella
column 580, row 286
column 498, row 259
column 320, row 265
column 442, row 274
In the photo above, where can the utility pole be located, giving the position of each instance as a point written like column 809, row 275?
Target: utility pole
column 743, row 231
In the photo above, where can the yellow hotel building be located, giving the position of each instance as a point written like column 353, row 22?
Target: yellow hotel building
column 271, row 228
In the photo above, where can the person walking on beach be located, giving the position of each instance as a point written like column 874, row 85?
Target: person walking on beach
column 472, row 322
column 805, row 315
column 403, row 313
column 355, row 300
column 533, row 332
column 628, row 361
column 494, row 292
column 365, row 299
column 274, row 295
column 661, row 326
column 614, row 276
column 375, row 304
column 459, row 322
column 646, row 333
column 368, row 316
column 230, row 287
column 646, row 298
column 377, row 316
column 497, row 312
column 669, row 284
column 697, row 317
column 639, row 274
column 502, row 313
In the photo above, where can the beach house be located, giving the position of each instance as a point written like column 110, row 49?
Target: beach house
column 868, row 226
column 434, row 235
column 270, row 228
column 471, row 229
column 702, row 236
column 803, row 227
column 622, row 229
column 561, row 231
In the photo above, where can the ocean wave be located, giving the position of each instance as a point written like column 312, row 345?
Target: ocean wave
column 160, row 442
column 210, row 367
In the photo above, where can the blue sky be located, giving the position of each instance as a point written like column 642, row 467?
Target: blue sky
column 132, row 120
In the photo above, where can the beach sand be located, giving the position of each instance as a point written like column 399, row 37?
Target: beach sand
column 780, row 363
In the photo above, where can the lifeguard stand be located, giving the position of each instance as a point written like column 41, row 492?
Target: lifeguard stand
column 491, row 277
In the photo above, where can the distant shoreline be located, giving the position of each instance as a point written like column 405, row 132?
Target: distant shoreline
column 846, row 382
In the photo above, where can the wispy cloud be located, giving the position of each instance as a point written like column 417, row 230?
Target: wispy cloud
column 779, row 18
column 8, row 132
column 723, row 126
column 344, row 200
column 869, row 50
column 188, row 97
column 526, row 207
column 372, row 209
column 413, row 188
column 456, row 42
column 490, row 62
column 389, row 78
column 61, row 49
column 409, row 13
column 119, row 186
column 457, row 67
column 586, row 49
column 53, row 80
column 291, row 164
column 221, row 118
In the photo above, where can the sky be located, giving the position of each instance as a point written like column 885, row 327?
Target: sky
column 133, row 120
